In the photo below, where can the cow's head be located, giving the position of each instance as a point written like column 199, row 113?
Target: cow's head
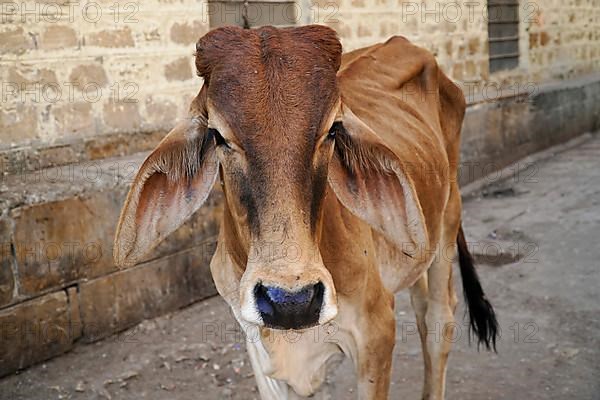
column 268, row 120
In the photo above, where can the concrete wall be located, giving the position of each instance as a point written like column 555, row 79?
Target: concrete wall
column 498, row 133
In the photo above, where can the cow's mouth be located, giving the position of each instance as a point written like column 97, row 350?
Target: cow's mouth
column 283, row 309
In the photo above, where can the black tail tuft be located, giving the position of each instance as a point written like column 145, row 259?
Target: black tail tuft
column 482, row 318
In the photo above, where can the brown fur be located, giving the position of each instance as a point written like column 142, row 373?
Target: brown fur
column 253, row 79
column 368, row 208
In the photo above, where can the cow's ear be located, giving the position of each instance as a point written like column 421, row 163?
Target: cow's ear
column 172, row 183
column 370, row 180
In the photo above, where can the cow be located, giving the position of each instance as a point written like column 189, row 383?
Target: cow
column 344, row 167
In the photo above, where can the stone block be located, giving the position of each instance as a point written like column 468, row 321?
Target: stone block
column 14, row 40
column 88, row 76
column 57, row 243
column 74, row 118
column 188, row 33
column 111, row 38
column 158, row 112
column 58, row 37
column 122, row 116
column 34, row 331
column 500, row 132
column 18, row 123
column 25, row 76
column 62, row 241
column 115, row 302
column 179, row 70
column 106, row 146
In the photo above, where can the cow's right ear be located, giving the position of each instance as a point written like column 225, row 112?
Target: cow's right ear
column 172, row 183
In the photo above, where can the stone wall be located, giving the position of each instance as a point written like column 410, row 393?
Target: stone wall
column 558, row 39
column 455, row 33
column 75, row 69
column 58, row 282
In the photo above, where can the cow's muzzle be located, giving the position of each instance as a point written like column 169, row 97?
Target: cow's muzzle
column 283, row 309
column 290, row 295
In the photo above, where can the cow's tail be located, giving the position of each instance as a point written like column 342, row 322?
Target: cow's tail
column 482, row 318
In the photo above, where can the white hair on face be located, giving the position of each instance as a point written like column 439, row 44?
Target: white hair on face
column 249, row 310
column 329, row 308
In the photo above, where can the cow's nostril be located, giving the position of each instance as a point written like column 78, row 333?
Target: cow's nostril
column 263, row 303
column 283, row 309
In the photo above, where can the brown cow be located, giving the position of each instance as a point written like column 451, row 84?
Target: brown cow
column 350, row 161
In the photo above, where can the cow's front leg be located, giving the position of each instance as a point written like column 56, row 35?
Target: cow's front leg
column 434, row 302
column 418, row 298
column 375, row 339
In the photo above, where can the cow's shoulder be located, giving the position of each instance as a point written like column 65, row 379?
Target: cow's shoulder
column 397, row 57
column 395, row 83
column 398, row 90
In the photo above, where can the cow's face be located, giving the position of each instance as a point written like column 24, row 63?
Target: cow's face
column 270, row 121
column 271, row 102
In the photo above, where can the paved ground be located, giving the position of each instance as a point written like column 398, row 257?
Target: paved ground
column 536, row 235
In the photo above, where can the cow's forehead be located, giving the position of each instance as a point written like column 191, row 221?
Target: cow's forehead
column 270, row 79
column 281, row 98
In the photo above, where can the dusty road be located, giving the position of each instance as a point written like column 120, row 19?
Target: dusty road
column 536, row 235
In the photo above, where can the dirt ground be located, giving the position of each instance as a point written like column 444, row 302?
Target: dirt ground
column 536, row 236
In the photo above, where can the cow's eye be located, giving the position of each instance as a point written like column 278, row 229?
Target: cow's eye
column 335, row 129
column 219, row 139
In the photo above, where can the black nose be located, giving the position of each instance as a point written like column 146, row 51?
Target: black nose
column 281, row 309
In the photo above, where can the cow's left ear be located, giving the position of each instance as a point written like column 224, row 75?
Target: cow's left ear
column 172, row 183
column 370, row 180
